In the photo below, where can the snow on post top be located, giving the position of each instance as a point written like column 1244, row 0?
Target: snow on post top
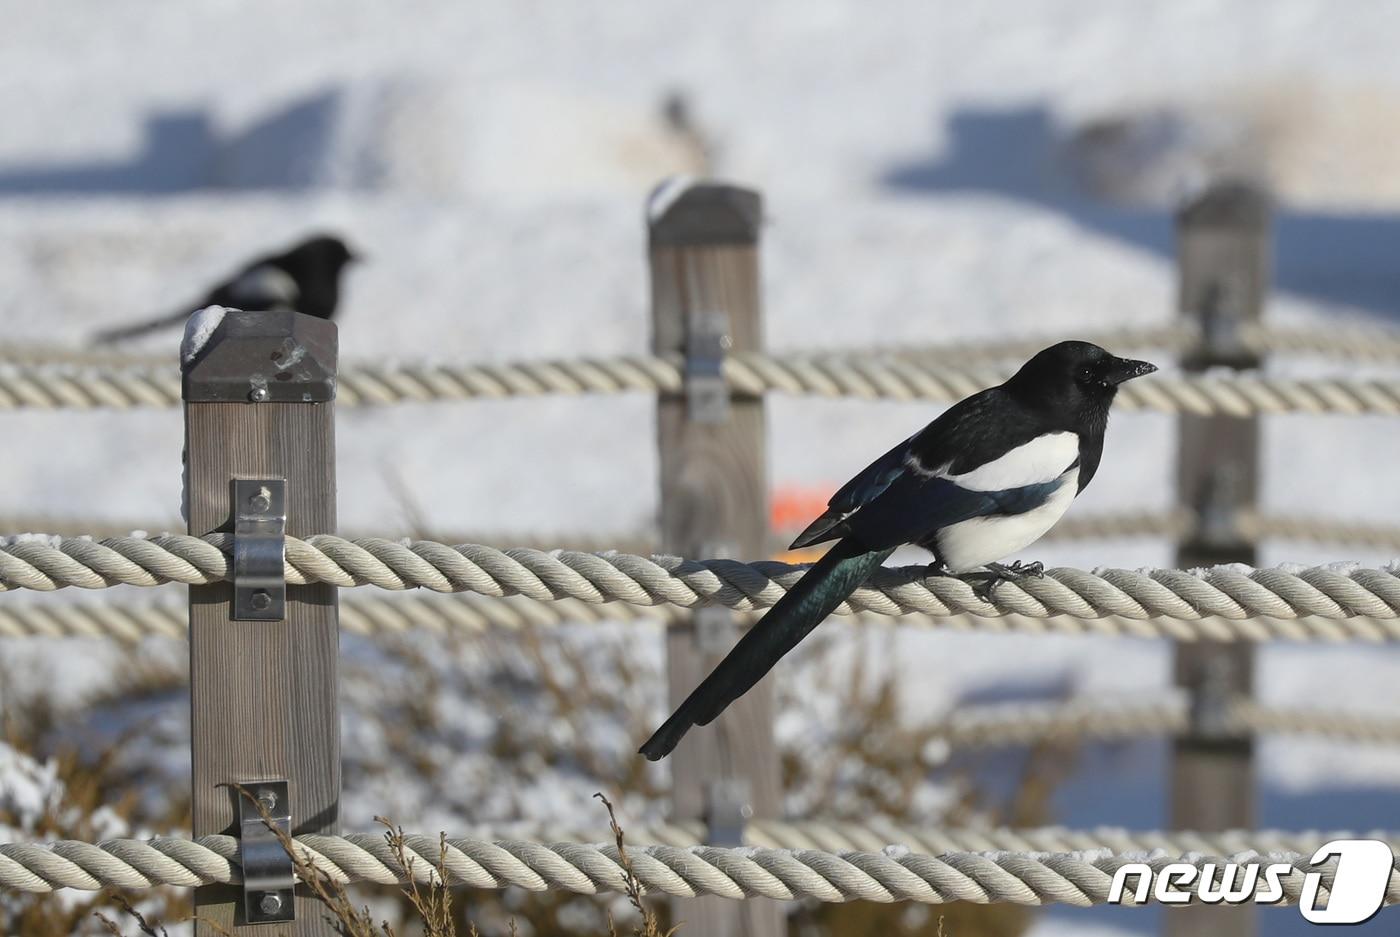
column 198, row 329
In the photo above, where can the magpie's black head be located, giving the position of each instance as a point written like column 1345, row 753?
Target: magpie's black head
column 323, row 253
column 1077, row 380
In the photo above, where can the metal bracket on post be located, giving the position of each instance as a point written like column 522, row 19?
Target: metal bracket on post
column 714, row 629
column 707, row 339
column 268, row 876
column 259, row 541
column 727, row 808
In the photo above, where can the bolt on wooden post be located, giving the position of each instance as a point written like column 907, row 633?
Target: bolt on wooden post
column 1223, row 245
column 705, row 304
column 259, row 411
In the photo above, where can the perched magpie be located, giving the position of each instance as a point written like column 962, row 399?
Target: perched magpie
column 985, row 479
column 305, row 278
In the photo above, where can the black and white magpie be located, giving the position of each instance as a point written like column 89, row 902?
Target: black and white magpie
column 304, row 278
column 985, row 479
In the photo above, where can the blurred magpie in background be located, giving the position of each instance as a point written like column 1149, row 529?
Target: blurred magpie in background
column 985, row 479
column 305, row 278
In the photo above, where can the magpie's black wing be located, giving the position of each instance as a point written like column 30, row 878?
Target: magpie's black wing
column 913, row 507
column 898, row 499
column 262, row 287
column 854, row 495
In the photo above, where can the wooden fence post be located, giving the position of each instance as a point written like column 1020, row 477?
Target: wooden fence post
column 714, row 494
column 1223, row 245
column 263, row 692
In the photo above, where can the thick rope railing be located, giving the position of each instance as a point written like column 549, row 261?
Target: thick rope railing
column 470, row 614
column 995, row 725
column 1237, row 593
column 1252, row 716
column 1351, row 342
column 893, row 874
column 876, row 835
column 1250, row 526
column 1254, row 527
column 359, row 615
column 29, row 353
column 1015, row 724
column 872, row 378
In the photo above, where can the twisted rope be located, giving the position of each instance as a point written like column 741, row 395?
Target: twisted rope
column 894, row 874
column 1253, row 716
column 1075, row 527
column 990, row 726
column 374, row 616
column 1014, row 724
column 1105, row 525
column 876, row 835
column 750, row 375
column 1349, row 342
column 1254, row 527
column 1250, row 526
column 32, row 354
column 1231, row 592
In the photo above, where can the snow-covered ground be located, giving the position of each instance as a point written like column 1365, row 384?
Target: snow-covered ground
column 928, row 172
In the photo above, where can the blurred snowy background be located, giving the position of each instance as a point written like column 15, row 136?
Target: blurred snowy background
column 932, row 172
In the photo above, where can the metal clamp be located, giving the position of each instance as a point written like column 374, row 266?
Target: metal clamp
column 707, row 339
column 714, row 630
column 259, row 541
column 268, row 876
column 727, row 808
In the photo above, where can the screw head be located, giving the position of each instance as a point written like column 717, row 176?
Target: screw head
column 268, row 798
column 260, row 600
column 261, row 501
column 257, row 394
column 270, row 903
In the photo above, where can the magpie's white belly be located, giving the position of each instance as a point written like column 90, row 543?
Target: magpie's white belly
column 969, row 544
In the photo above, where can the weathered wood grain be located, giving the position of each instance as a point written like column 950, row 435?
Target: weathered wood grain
column 263, row 693
column 714, row 493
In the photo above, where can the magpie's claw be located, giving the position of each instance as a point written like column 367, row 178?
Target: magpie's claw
column 984, row 583
column 984, row 586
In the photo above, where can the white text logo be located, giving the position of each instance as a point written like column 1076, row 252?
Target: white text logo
column 1357, row 892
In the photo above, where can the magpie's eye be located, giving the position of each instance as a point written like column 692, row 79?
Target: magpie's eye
column 1085, row 375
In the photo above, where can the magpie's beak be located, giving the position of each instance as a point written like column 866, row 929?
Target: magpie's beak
column 1125, row 369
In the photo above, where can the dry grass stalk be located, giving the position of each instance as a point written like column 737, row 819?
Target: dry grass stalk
column 434, row 904
column 354, row 922
column 649, row 926
column 146, row 927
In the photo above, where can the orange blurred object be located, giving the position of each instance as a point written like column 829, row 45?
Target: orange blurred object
column 793, row 507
